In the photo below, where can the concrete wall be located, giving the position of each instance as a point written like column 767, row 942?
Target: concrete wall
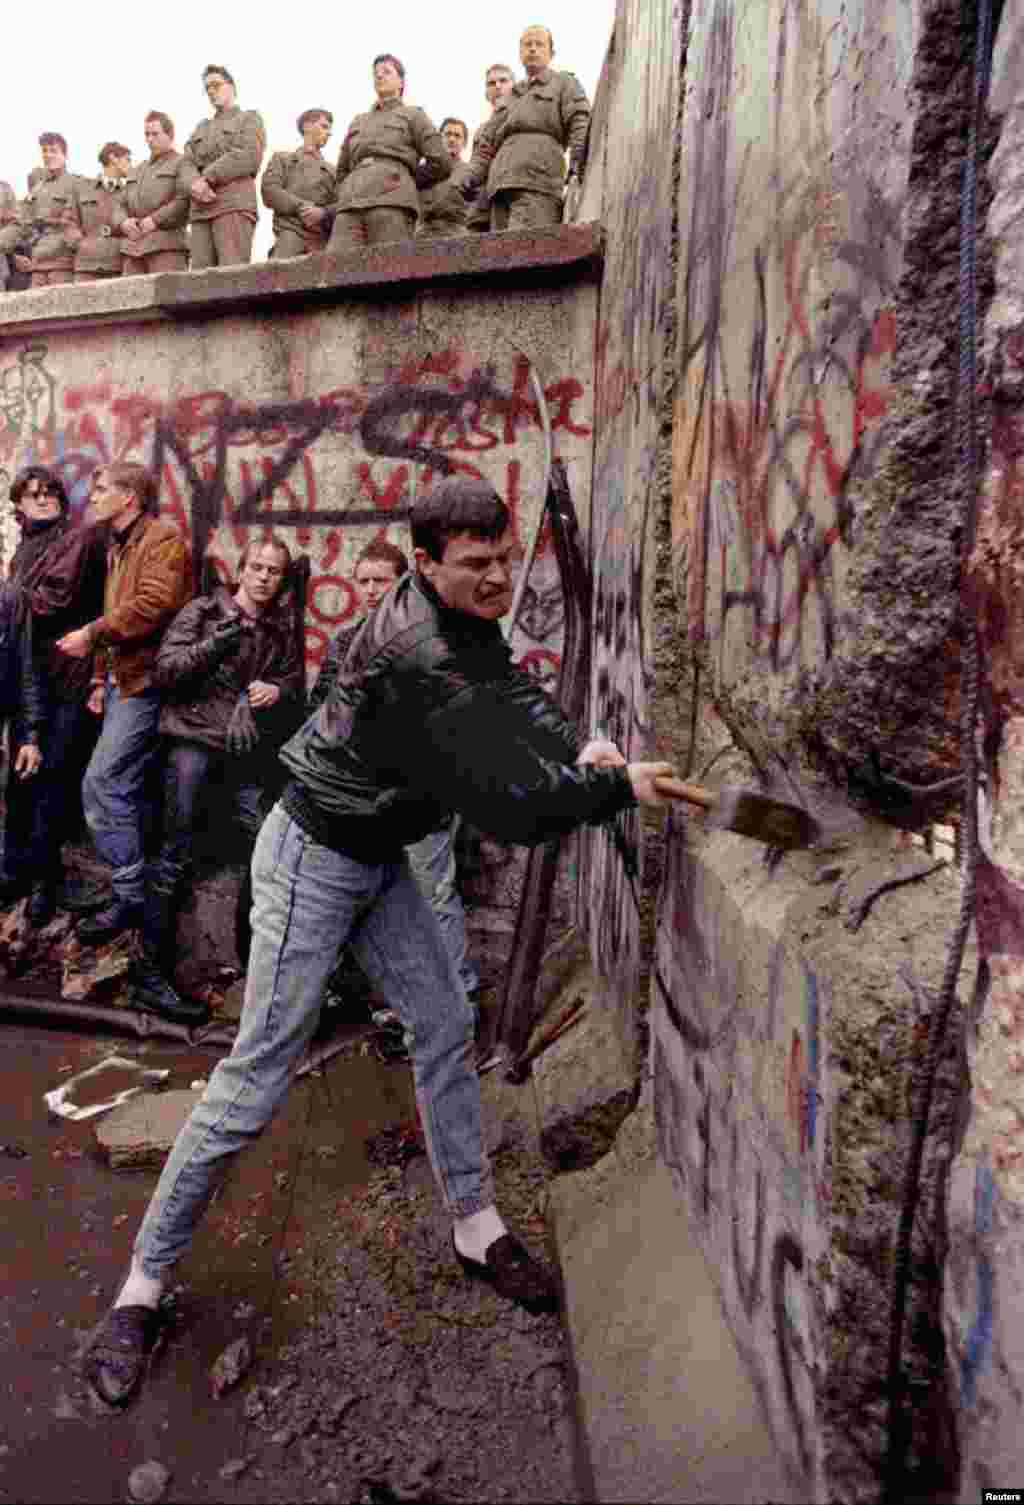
column 985, row 1272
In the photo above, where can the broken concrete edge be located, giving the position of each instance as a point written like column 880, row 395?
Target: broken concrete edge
column 512, row 258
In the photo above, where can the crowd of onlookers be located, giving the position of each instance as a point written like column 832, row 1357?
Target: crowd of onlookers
column 128, row 700
column 396, row 175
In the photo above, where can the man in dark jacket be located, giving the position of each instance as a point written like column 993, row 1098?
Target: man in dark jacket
column 22, row 705
column 427, row 716
column 225, row 663
column 58, row 569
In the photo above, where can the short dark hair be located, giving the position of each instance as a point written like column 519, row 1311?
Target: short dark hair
column 127, row 476
column 46, row 477
column 217, row 68
column 54, row 138
column 112, row 149
column 274, row 541
column 387, row 553
column 309, row 115
column 454, row 120
column 458, row 504
column 389, row 57
column 165, row 120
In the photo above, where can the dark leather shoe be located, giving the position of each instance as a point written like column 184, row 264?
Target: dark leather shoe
column 513, row 1273
column 97, row 929
column 11, row 890
column 42, row 905
column 117, row 1355
column 156, row 995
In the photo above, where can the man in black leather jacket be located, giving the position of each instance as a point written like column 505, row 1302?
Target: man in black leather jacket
column 427, row 716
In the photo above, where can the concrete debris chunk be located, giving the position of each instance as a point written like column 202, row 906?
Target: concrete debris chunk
column 147, row 1483
column 141, row 1133
column 229, row 1367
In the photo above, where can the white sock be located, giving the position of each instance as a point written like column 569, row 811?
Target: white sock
column 140, row 1289
column 475, row 1234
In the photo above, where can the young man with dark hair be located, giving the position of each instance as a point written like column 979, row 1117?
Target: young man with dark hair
column 58, row 569
column 152, row 224
column 388, row 152
column 299, row 186
column 227, row 150
column 37, row 242
column 427, row 716
column 223, row 665
column 443, row 210
column 147, row 585
column 94, row 212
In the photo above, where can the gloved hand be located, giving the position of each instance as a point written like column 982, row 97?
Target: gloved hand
column 223, row 640
column 243, row 733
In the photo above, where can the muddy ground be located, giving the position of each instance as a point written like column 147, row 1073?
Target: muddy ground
column 378, row 1372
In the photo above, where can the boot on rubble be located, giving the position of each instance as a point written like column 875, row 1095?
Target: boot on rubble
column 154, row 991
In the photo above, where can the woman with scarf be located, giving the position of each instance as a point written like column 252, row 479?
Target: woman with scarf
column 58, row 571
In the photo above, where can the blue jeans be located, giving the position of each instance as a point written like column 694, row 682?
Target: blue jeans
column 307, row 901
column 40, row 809
column 115, row 796
column 186, row 771
column 433, row 866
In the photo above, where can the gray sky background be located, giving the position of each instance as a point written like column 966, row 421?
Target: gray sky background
column 104, row 67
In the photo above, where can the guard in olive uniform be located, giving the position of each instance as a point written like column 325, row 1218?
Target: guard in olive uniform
column 519, row 152
column 37, row 242
column 300, row 188
column 377, row 166
column 228, row 150
column 93, row 214
column 498, row 83
column 154, row 212
column 443, row 210
column 8, row 216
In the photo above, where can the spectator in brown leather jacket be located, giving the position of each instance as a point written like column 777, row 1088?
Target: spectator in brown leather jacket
column 148, row 582
column 228, row 667
column 58, row 569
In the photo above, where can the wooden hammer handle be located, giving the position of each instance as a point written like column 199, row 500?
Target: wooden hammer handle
column 693, row 794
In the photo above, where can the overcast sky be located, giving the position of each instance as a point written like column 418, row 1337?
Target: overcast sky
column 92, row 73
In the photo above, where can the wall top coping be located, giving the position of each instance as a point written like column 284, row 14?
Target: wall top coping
column 568, row 253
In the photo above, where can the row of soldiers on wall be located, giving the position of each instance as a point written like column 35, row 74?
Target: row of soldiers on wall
column 396, row 176
column 128, row 699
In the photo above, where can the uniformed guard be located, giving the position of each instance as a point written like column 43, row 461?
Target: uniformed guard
column 37, row 241
column 443, row 210
column 377, row 165
column 300, row 188
column 520, row 151
column 498, row 82
column 228, row 150
column 153, row 219
column 93, row 212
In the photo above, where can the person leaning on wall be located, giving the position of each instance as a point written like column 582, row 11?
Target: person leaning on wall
column 300, row 188
column 152, row 223
column 147, row 584
column 226, row 667
column 377, row 165
column 227, row 150
column 95, row 206
column 58, row 568
column 519, row 152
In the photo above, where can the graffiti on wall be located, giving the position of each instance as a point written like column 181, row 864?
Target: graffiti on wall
column 738, row 1097
column 331, row 469
column 776, row 423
